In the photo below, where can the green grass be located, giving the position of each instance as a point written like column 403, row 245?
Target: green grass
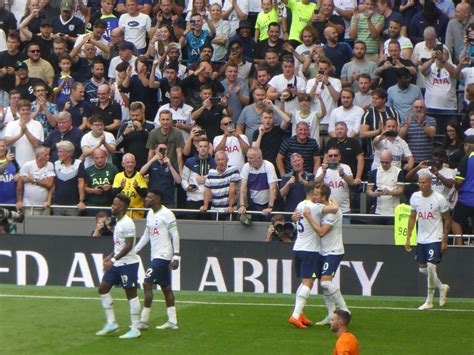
column 218, row 323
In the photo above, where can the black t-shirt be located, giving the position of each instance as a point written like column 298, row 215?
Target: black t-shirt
column 271, row 142
column 191, row 86
column 262, row 47
column 135, row 142
column 165, row 90
column 7, row 60
column 350, row 149
column 26, row 90
column 389, row 76
column 321, row 25
column 46, row 46
column 111, row 112
column 82, row 70
column 7, row 21
column 210, row 121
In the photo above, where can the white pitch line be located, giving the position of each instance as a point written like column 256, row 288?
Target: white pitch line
column 232, row 303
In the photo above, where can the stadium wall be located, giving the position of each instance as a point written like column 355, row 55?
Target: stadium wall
column 227, row 266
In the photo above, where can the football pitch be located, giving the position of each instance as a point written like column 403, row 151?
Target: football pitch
column 46, row 320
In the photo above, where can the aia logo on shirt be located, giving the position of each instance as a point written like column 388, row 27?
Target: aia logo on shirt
column 232, row 149
column 425, row 215
column 133, row 24
column 155, row 232
column 441, row 81
column 336, row 184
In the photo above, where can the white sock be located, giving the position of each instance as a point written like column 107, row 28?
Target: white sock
column 107, row 304
column 423, row 271
column 171, row 311
column 134, row 312
column 329, row 302
column 437, row 281
column 335, row 293
column 431, row 284
column 301, row 298
column 145, row 314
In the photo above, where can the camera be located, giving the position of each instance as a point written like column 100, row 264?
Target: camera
column 10, row 216
column 332, row 166
column 390, row 59
column 288, row 228
column 391, row 133
column 201, row 132
column 439, row 47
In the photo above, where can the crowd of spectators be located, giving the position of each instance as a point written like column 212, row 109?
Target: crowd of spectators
column 234, row 105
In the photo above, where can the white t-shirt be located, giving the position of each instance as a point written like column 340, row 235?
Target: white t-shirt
column 398, row 147
column 339, row 187
column 136, row 28
column 24, row 149
column 303, row 50
column 429, row 211
column 181, row 115
column 244, row 6
column 116, row 61
column 98, row 50
column 345, row 5
column 422, row 52
column 307, row 239
column 259, row 180
column 468, row 77
column 388, row 180
column 440, row 90
column 158, row 230
column 437, row 185
column 331, row 243
column 34, row 194
column 125, row 228
column 404, row 44
column 88, row 140
column 350, row 117
column 280, row 83
column 328, row 100
column 233, row 149
column 312, row 120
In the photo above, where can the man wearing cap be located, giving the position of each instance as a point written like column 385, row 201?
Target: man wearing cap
column 25, row 84
column 136, row 25
column 244, row 35
column 126, row 50
column 37, row 66
column 67, row 26
column 8, row 60
column 402, row 96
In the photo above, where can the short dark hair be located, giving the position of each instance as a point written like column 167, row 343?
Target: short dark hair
column 100, row 24
column 205, row 87
column 309, row 187
column 278, row 218
column 349, row 90
column 96, row 118
column 380, row 93
column 121, row 67
column 361, row 42
column 14, row 35
column 365, row 76
column 344, row 315
column 156, row 192
column 324, row 189
column 123, row 198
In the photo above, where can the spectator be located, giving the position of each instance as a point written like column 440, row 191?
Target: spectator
column 66, row 25
column 96, row 38
column 457, row 28
column 163, row 174
column 232, row 142
column 31, row 21
column 245, row 68
column 440, row 83
column 292, row 184
column 44, row 111
column 8, row 60
column 386, row 185
column 419, row 131
column 192, row 143
column 279, row 231
column 236, row 89
column 304, row 11
column 24, row 134
column 273, row 41
column 117, row 36
column 310, row 38
column 108, row 109
column 37, row 66
column 106, row 14
column 269, row 136
column 402, row 95
column 453, row 143
column 98, row 179
column 221, row 186
column 384, row 8
column 96, row 139
column 287, row 86
column 63, row 80
column 366, row 26
column 133, row 135
column 168, row 135
column 64, row 131
column 394, row 34
column 195, row 172
column 348, row 113
column 237, row 13
column 83, row 64
column 267, row 15
column 271, row 61
column 102, row 226
column 338, row 52
column 79, row 109
column 258, row 189
column 92, row 85
column 126, row 50
column 132, row 184
column 389, row 140
column 69, row 182
column 170, row 16
column 194, row 38
column 136, row 25
column 446, row 7
column 328, row 18
column 35, row 186
column 363, row 96
column 210, row 114
column 24, row 84
column 428, row 16
column 338, row 176
column 10, row 113
column 59, row 48
column 442, row 176
column 9, row 175
column 165, row 84
column 388, row 69
column 351, row 71
column 299, row 143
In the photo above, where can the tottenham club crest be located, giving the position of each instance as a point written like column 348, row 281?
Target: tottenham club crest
column 71, row 27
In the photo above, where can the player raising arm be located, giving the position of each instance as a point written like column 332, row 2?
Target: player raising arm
column 331, row 251
column 121, row 267
column 306, row 252
column 162, row 233
column 434, row 224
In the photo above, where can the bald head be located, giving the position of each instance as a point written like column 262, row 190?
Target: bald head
column 386, row 159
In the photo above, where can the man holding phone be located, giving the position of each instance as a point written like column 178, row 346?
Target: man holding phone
column 194, row 38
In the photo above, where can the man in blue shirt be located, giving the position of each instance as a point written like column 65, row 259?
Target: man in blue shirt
column 195, row 38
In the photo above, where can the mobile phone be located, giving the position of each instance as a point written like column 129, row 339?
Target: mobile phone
column 215, row 100
column 13, row 149
column 390, row 59
column 192, row 186
column 332, row 166
column 193, row 24
column 231, row 127
column 289, row 86
column 432, row 163
column 201, row 132
column 159, row 34
column 321, row 72
column 162, row 151
column 391, row 134
column 439, row 47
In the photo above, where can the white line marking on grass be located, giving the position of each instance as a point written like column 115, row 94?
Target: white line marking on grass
column 75, row 298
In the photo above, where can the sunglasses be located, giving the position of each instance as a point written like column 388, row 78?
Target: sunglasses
column 34, row 50
column 333, row 155
column 226, row 123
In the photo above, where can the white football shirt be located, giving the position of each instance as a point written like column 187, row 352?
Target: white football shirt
column 331, row 243
column 125, row 228
column 307, row 239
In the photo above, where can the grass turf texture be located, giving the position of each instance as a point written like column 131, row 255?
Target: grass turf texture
column 226, row 323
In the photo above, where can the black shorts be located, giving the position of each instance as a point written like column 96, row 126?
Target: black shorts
column 462, row 212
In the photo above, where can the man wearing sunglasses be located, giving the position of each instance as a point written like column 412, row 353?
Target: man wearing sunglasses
column 37, row 66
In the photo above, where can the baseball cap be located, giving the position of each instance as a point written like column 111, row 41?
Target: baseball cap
column 66, row 5
column 244, row 24
column 20, row 65
column 46, row 22
column 126, row 45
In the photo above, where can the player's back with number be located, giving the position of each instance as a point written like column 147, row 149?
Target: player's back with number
column 125, row 228
column 158, row 226
column 429, row 212
column 307, row 240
